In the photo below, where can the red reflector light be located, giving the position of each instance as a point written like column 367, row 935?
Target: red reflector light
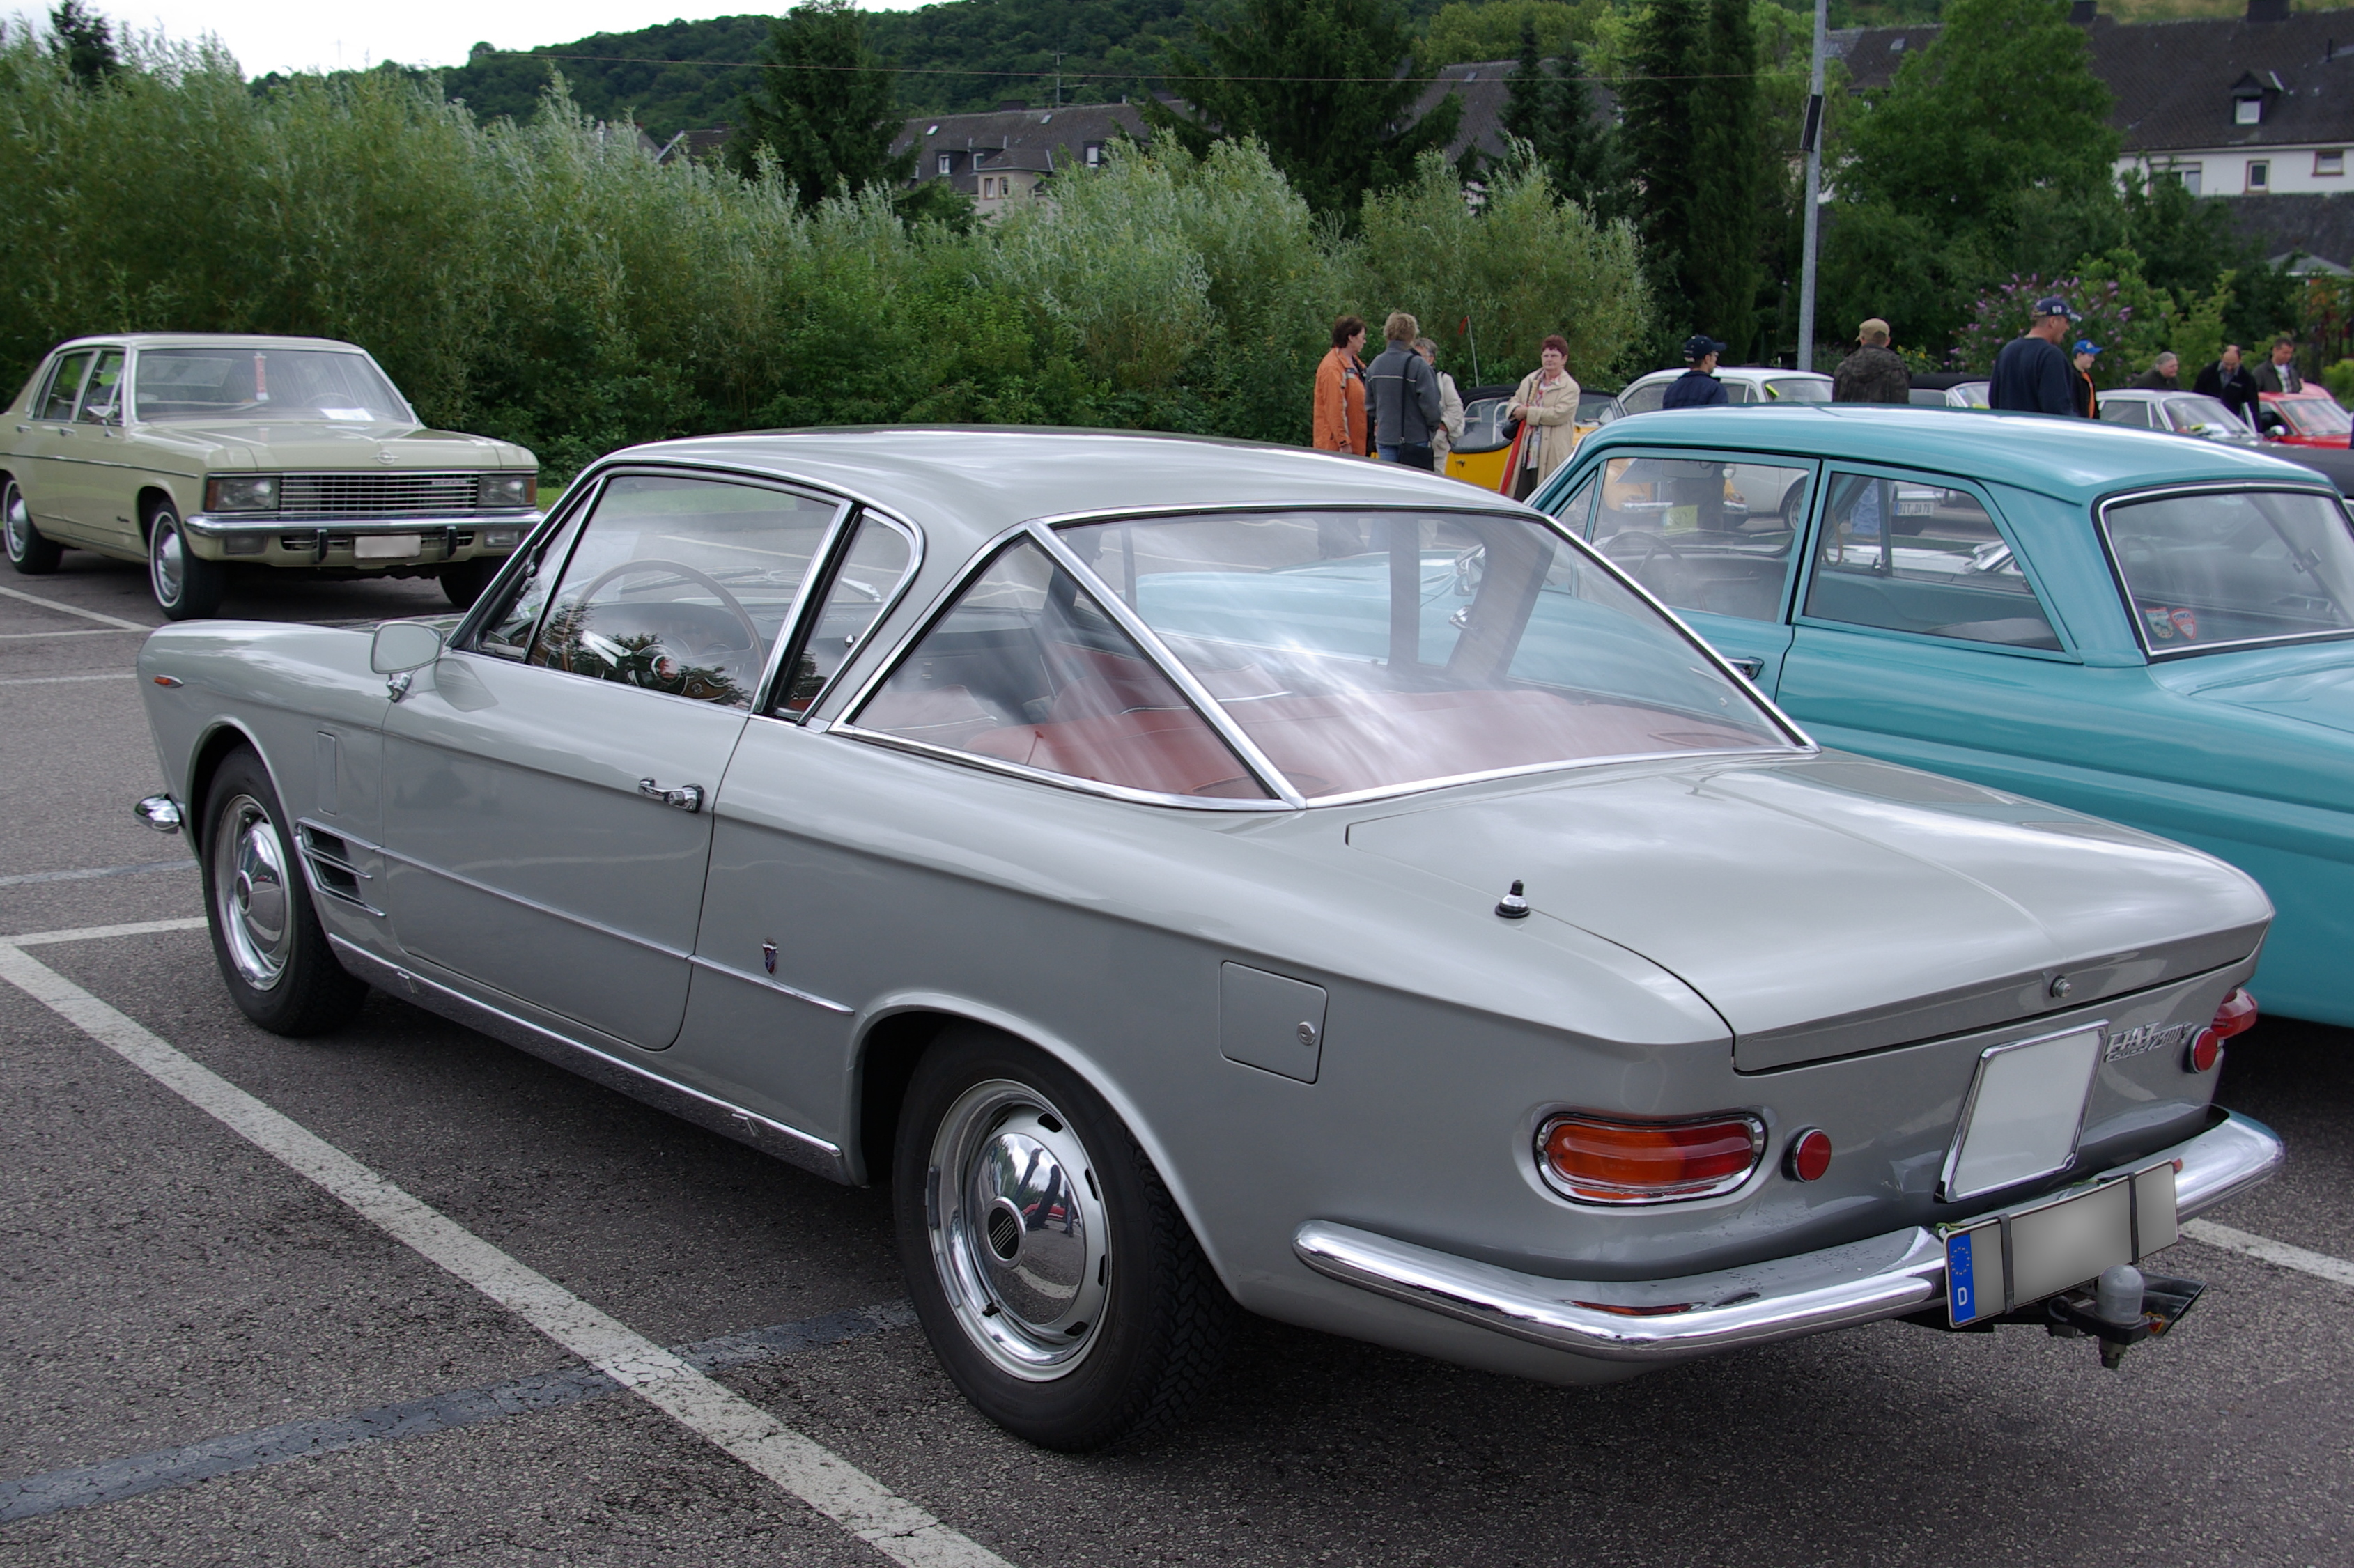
column 2237, row 1015
column 1810, row 1155
column 1597, row 1160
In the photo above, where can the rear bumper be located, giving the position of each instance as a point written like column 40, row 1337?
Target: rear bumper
column 1838, row 1288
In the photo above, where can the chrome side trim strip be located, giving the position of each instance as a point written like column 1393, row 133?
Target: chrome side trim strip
column 790, row 1144
column 1783, row 1298
column 769, row 983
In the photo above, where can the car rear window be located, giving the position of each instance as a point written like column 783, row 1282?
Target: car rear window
column 2221, row 568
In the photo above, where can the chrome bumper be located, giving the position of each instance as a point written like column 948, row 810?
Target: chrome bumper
column 1838, row 1288
column 205, row 526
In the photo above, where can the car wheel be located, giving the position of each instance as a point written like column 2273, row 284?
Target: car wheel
column 1060, row 1287
column 462, row 582
column 28, row 552
column 266, row 937
column 187, row 586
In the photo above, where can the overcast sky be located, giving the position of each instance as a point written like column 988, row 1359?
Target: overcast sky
column 281, row 35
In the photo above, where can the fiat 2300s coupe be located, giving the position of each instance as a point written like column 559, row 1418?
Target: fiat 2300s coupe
column 1195, row 873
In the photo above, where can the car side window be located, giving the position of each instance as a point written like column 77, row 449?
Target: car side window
column 1644, row 398
column 878, row 557
column 1909, row 555
column 682, row 585
column 101, row 396
column 1576, row 514
column 56, row 400
column 1026, row 667
column 1703, row 534
column 2133, row 414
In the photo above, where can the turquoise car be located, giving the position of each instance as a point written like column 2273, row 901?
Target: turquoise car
column 2149, row 630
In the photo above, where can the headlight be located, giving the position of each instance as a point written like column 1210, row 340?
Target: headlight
column 509, row 489
column 241, row 495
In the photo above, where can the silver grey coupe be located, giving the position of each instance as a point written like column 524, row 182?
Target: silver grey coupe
column 1199, row 875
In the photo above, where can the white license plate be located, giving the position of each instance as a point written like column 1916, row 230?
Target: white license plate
column 2016, row 1259
column 386, row 546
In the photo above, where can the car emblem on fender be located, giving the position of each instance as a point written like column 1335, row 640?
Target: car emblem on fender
column 2144, row 1038
column 383, row 455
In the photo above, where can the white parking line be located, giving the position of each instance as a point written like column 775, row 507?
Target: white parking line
column 66, row 679
column 64, row 608
column 2318, row 1264
column 84, row 873
column 77, row 631
column 94, row 933
column 823, row 1480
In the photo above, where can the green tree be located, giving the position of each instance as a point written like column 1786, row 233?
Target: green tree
column 1318, row 83
column 84, row 43
column 824, row 112
column 1691, row 135
column 1549, row 108
column 1463, row 33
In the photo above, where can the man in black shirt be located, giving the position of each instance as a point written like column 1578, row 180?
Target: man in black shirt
column 2031, row 375
column 2281, row 374
column 2228, row 380
column 1697, row 387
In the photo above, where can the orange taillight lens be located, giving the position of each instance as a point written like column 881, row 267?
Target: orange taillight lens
column 1597, row 1160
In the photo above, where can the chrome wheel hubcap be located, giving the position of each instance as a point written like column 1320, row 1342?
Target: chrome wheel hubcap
column 249, row 876
column 1019, row 1233
column 18, row 522
column 164, row 563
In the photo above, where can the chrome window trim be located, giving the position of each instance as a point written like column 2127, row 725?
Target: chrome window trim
column 834, row 559
column 973, row 567
column 2102, row 507
column 2099, row 1028
column 1062, row 780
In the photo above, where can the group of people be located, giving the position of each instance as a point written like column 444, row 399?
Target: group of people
column 2032, row 377
column 1402, row 408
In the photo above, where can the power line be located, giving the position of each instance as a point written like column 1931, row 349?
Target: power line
column 1090, row 75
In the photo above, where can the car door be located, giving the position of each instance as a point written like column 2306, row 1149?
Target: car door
column 41, row 437
column 547, row 782
column 1919, row 635
column 1713, row 535
column 99, row 483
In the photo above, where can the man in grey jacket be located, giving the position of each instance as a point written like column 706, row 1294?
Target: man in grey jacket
column 1402, row 395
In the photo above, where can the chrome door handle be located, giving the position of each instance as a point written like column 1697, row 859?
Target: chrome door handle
column 22, row 429
column 1753, row 668
column 686, row 797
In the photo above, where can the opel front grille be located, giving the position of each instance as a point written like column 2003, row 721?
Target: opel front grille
column 377, row 494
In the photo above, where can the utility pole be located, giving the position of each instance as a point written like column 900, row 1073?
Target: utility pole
column 1813, row 143
column 1059, row 78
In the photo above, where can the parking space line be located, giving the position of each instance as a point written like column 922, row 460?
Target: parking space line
column 66, row 679
column 64, row 608
column 77, row 631
column 98, row 933
column 86, row 1486
column 800, row 1466
column 2320, row 1265
column 84, row 873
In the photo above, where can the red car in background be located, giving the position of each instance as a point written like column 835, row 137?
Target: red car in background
column 2308, row 418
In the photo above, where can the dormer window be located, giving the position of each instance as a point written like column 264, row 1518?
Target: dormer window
column 2247, row 112
column 2248, row 97
column 1095, row 154
column 948, row 162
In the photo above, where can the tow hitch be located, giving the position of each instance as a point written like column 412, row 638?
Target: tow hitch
column 2123, row 1307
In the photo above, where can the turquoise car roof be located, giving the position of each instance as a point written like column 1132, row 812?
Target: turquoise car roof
column 2070, row 459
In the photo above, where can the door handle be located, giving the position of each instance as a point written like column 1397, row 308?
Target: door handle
column 21, row 429
column 686, row 797
column 1753, row 668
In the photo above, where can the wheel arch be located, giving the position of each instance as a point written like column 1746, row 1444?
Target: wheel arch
column 224, row 736
column 149, row 494
column 892, row 1037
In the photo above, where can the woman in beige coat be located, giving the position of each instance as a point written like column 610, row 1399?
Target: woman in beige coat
column 1547, row 401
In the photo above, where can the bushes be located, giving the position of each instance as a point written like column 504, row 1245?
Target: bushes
column 550, row 283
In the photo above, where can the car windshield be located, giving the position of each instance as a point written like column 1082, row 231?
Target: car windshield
column 1796, row 390
column 2233, row 567
column 2199, row 416
column 233, row 382
column 2315, row 415
column 1364, row 650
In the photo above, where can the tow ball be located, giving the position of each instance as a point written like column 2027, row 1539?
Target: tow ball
column 2123, row 1307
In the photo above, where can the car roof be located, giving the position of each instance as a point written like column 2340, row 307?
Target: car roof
column 206, row 340
column 966, row 483
column 1747, row 372
column 2070, row 460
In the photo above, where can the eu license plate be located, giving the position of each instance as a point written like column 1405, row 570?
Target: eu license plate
column 2019, row 1257
column 386, row 546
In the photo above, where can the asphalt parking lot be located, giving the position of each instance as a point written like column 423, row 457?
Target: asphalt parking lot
column 213, row 1358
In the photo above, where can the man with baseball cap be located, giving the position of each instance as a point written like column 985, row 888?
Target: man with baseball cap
column 2031, row 375
column 1698, row 386
column 1873, row 373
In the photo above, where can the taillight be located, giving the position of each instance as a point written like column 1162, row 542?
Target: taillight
column 1598, row 1161
column 2237, row 1015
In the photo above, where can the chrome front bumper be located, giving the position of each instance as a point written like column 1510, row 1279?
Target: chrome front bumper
column 206, row 526
column 1838, row 1288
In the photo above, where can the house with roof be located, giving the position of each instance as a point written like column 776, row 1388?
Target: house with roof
column 2256, row 107
column 1011, row 153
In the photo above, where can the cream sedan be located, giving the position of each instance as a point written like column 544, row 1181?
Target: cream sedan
column 205, row 454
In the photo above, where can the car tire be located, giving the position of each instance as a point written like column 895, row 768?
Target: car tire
column 1114, row 1322
column 187, row 586
column 267, row 940
column 28, row 551
column 462, row 582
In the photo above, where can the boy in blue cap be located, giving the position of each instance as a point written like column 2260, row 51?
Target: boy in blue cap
column 2031, row 375
column 2087, row 406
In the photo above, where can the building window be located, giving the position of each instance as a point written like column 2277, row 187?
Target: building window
column 1095, row 154
column 947, row 161
column 2330, row 164
column 2260, row 175
column 2187, row 172
column 2247, row 112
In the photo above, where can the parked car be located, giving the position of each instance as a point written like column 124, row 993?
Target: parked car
column 1742, row 384
column 2308, row 418
column 2179, row 413
column 200, row 455
column 2143, row 627
column 1479, row 457
column 1198, row 873
column 1950, row 389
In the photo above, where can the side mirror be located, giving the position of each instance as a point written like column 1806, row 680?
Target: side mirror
column 403, row 645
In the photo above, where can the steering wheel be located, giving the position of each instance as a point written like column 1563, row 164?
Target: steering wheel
column 734, row 606
column 1654, row 547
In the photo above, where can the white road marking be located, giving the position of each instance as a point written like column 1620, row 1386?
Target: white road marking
column 64, row 608
column 77, row 631
column 820, row 1478
column 2320, row 1265
column 67, row 680
column 85, row 872
column 93, row 933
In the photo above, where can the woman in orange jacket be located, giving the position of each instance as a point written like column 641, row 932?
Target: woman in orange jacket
column 1341, row 424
